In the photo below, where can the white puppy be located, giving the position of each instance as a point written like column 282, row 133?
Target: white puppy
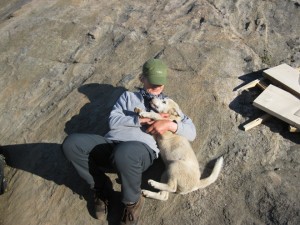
column 182, row 173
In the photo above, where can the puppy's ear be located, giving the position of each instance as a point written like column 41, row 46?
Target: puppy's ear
column 175, row 110
column 175, row 114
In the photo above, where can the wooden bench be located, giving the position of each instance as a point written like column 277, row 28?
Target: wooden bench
column 281, row 104
column 285, row 77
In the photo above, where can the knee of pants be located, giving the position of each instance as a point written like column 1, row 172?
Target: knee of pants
column 125, row 158
column 68, row 145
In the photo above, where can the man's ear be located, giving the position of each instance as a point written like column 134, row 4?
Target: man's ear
column 141, row 78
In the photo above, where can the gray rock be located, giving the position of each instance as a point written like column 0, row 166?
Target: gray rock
column 63, row 64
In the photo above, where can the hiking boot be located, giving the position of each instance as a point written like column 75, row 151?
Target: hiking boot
column 101, row 205
column 132, row 212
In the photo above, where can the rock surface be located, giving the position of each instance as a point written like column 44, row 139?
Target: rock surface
column 64, row 63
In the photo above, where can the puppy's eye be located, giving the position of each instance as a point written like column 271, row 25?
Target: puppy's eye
column 164, row 102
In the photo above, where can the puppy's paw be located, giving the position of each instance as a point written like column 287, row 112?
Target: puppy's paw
column 137, row 110
column 144, row 114
column 152, row 183
column 146, row 193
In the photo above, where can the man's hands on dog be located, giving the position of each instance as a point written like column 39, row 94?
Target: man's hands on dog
column 162, row 126
column 149, row 121
column 157, row 126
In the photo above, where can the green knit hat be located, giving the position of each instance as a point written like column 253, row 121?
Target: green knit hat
column 155, row 71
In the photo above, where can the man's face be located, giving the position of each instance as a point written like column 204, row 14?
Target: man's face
column 151, row 88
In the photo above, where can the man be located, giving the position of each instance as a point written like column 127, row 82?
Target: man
column 128, row 147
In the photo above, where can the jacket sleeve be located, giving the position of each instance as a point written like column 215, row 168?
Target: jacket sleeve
column 121, row 115
column 186, row 128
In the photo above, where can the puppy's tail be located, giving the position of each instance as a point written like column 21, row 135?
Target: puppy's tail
column 213, row 176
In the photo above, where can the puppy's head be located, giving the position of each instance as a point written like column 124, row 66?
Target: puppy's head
column 166, row 106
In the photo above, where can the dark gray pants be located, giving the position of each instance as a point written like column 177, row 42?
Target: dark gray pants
column 89, row 153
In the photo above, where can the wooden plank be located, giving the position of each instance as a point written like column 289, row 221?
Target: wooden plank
column 257, row 82
column 293, row 129
column 280, row 104
column 256, row 122
column 262, row 85
column 285, row 76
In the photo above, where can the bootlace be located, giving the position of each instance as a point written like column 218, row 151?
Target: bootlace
column 128, row 213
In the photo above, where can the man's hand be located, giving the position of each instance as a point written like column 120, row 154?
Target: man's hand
column 165, row 115
column 161, row 126
column 146, row 121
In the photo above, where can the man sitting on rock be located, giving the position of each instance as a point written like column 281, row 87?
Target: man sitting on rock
column 128, row 147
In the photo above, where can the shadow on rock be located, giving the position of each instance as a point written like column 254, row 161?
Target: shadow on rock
column 93, row 116
column 47, row 161
column 243, row 105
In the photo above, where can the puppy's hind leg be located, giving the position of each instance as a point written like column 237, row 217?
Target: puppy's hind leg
column 162, row 195
column 171, row 186
column 168, row 180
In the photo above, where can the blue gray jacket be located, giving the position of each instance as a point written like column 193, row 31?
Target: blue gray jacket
column 124, row 123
